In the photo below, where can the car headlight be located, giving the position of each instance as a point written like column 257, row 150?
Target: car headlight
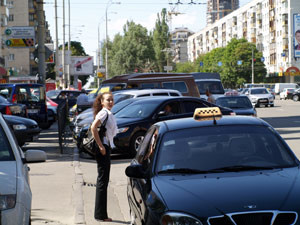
column 7, row 202
column 173, row 218
column 123, row 129
column 19, row 127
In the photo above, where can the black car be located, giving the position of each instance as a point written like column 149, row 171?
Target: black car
column 240, row 104
column 134, row 120
column 226, row 170
column 25, row 130
column 9, row 108
column 60, row 95
column 296, row 95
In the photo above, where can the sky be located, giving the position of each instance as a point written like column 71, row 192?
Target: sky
column 89, row 15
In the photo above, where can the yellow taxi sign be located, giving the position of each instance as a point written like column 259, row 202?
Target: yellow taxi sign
column 104, row 89
column 207, row 113
column 100, row 75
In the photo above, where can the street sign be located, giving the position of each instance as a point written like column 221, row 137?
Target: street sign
column 262, row 59
column 283, row 54
column 239, row 62
column 100, row 75
column 20, row 37
column 168, row 68
column 219, row 63
column 201, row 64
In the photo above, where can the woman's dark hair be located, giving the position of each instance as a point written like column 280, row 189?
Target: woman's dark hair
column 97, row 105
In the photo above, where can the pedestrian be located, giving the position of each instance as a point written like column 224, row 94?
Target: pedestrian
column 102, row 106
column 82, row 98
column 210, row 97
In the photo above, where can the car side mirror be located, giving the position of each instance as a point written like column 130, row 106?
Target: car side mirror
column 136, row 171
column 35, row 156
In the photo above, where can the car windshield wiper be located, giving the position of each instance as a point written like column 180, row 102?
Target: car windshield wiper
column 237, row 168
column 188, row 171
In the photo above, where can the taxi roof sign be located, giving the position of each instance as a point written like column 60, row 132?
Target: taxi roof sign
column 207, row 113
column 104, row 89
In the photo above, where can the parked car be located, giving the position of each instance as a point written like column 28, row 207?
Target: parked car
column 260, row 96
column 134, row 120
column 296, row 95
column 52, row 111
column 216, row 171
column 16, row 196
column 280, row 86
column 31, row 95
column 9, row 108
column 25, row 129
column 241, row 105
column 60, row 95
column 287, row 92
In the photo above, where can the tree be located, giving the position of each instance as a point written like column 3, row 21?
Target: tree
column 161, row 38
column 76, row 48
column 131, row 52
column 185, row 67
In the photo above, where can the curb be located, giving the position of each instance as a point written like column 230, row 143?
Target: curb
column 78, row 202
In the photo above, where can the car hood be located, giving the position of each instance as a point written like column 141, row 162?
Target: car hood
column 216, row 194
column 244, row 111
column 19, row 120
column 121, row 122
column 8, row 177
column 261, row 96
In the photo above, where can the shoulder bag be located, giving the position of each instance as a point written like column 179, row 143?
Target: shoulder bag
column 88, row 142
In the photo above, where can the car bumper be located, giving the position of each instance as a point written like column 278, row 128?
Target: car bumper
column 18, row 215
column 264, row 101
column 27, row 135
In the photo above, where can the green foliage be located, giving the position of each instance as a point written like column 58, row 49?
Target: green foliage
column 76, row 48
column 185, row 67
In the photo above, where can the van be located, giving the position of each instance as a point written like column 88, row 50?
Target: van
column 280, row 86
column 209, row 81
column 183, row 82
column 31, row 95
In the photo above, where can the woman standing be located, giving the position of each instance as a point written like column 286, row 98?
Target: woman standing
column 102, row 114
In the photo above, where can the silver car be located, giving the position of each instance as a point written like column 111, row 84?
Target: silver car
column 15, row 193
column 260, row 97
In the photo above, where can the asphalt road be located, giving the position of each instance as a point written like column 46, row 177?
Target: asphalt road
column 64, row 188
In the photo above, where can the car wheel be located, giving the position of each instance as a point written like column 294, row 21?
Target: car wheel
column 266, row 105
column 296, row 98
column 272, row 105
column 46, row 126
column 135, row 143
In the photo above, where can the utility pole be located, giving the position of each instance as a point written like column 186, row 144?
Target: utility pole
column 56, row 43
column 41, row 41
column 69, row 48
column 252, row 66
column 63, row 49
column 106, row 47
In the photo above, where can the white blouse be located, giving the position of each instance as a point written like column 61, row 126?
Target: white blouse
column 111, row 126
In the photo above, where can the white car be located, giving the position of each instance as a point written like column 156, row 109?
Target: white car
column 260, row 96
column 285, row 92
column 15, row 193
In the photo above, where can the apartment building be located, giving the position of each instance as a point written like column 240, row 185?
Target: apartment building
column 217, row 9
column 270, row 24
column 3, row 23
column 179, row 38
column 20, row 60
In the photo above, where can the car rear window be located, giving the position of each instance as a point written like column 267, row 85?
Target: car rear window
column 178, row 85
column 6, row 153
column 30, row 94
column 6, row 92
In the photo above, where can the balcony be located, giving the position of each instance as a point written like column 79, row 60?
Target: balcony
column 285, row 47
column 4, row 11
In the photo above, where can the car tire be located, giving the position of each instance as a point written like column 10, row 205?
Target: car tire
column 135, row 142
column 272, row 105
column 296, row 98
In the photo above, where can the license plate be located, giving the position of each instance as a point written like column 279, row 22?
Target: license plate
column 263, row 100
column 32, row 110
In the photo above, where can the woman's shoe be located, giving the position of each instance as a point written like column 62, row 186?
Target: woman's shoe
column 105, row 220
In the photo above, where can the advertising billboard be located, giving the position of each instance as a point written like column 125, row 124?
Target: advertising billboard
column 82, row 65
column 296, row 23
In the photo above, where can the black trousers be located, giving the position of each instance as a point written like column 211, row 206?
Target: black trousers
column 103, row 167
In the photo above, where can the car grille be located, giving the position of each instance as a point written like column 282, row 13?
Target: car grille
column 263, row 100
column 257, row 218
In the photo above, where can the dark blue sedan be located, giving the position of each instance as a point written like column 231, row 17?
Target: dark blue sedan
column 233, row 170
column 240, row 104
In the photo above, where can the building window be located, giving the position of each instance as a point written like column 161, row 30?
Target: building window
column 10, row 4
column 11, row 17
column 11, row 57
column 30, row 4
column 31, row 17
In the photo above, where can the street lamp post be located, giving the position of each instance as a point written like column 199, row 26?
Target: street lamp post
column 109, row 3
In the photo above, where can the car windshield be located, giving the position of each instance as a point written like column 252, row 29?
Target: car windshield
column 215, row 87
column 52, row 94
column 234, row 103
column 121, row 97
column 3, row 100
column 114, row 87
column 136, row 110
column 6, row 153
column 30, row 94
column 223, row 148
column 6, row 92
column 259, row 91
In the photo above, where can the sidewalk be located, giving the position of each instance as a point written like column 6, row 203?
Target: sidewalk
column 63, row 187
